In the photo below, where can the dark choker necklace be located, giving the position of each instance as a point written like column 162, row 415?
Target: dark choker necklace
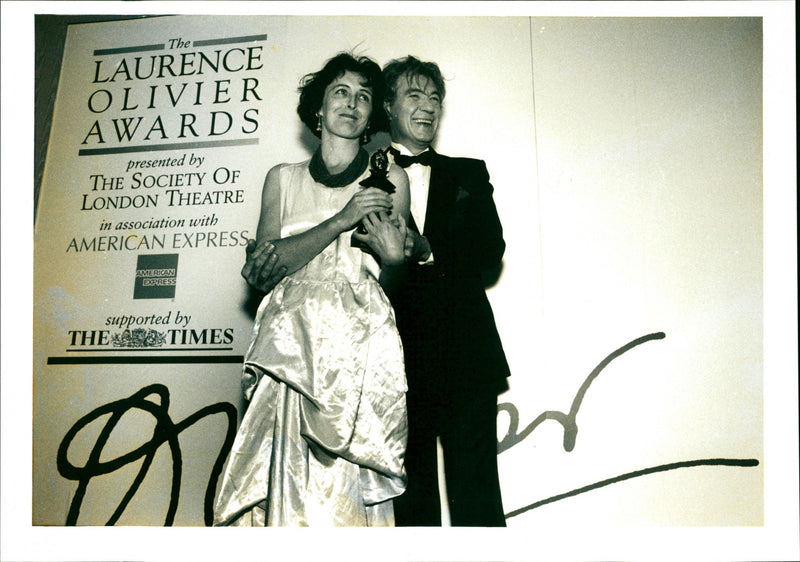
column 321, row 174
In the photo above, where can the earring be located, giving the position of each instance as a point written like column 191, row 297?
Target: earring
column 319, row 123
column 365, row 137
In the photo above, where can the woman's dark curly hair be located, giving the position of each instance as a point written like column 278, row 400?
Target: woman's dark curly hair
column 312, row 90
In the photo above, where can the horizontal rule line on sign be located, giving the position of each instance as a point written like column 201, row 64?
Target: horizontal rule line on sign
column 230, row 40
column 138, row 359
column 154, row 147
column 148, row 349
column 136, row 49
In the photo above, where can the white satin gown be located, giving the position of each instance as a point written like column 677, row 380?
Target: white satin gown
column 323, row 438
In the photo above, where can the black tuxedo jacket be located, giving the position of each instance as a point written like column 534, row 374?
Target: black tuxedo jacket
column 444, row 318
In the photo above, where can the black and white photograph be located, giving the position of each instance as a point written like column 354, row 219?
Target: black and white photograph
column 509, row 280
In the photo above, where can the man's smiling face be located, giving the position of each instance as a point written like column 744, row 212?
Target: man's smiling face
column 414, row 114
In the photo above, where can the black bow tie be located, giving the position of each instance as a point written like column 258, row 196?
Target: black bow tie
column 405, row 161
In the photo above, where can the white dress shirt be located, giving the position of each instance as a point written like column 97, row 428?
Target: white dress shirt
column 419, row 179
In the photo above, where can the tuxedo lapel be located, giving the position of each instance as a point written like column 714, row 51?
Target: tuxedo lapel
column 412, row 224
column 440, row 194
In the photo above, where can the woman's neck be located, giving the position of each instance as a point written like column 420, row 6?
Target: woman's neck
column 338, row 152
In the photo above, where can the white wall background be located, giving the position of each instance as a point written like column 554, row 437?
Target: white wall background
column 626, row 154
column 649, row 187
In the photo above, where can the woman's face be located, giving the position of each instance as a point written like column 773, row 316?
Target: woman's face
column 346, row 106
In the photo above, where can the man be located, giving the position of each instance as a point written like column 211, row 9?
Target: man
column 455, row 364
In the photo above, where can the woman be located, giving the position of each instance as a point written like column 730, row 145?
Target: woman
column 323, row 438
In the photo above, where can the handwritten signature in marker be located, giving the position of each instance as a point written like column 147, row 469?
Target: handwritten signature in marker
column 569, row 422
column 165, row 431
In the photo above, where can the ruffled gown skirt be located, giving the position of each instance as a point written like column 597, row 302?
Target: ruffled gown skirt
column 323, row 439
